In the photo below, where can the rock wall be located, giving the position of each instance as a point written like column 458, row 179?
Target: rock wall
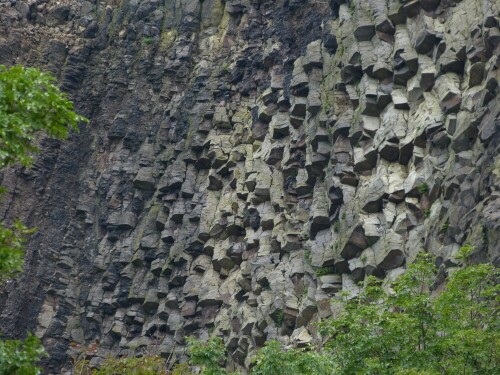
column 247, row 160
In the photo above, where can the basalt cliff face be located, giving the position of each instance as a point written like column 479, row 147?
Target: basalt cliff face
column 246, row 161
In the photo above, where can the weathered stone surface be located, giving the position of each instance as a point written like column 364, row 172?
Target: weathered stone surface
column 429, row 5
column 313, row 57
column 364, row 31
column 145, row 179
column 449, row 93
column 476, row 74
column 122, row 220
column 426, row 41
column 331, row 283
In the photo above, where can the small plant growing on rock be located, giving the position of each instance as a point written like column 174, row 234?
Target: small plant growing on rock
column 423, row 188
column 484, row 235
column 336, row 226
column 352, row 7
column 148, row 40
column 279, row 318
column 445, row 226
column 308, row 256
column 324, row 271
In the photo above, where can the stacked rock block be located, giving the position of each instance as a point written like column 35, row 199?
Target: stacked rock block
column 248, row 161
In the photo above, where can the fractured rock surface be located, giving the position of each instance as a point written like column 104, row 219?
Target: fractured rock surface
column 245, row 163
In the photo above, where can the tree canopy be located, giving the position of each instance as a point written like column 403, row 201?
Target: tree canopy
column 408, row 328
column 31, row 106
column 405, row 327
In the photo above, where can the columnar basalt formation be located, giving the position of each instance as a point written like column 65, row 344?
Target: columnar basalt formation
column 247, row 161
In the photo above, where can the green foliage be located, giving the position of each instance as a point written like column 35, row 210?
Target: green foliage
column 279, row 318
column 352, row 7
column 445, row 226
column 11, row 249
column 396, row 329
column 465, row 253
column 273, row 360
column 408, row 331
column 146, row 365
column 30, row 103
column 484, row 235
column 325, row 271
column 18, row 357
column 336, row 226
column 225, row 68
column 181, row 369
column 207, row 354
column 308, row 256
column 423, row 188
column 147, row 40
column 469, row 315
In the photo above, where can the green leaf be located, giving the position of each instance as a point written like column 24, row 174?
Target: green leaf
column 31, row 103
column 18, row 357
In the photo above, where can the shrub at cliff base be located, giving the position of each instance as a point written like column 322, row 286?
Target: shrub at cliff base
column 402, row 328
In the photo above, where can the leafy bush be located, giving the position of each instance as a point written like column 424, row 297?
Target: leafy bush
column 423, row 188
column 402, row 330
column 17, row 357
column 407, row 330
column 208, row 355
column 273, row 360
column 11, row 249
column 147, row 365
column 30, row 103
